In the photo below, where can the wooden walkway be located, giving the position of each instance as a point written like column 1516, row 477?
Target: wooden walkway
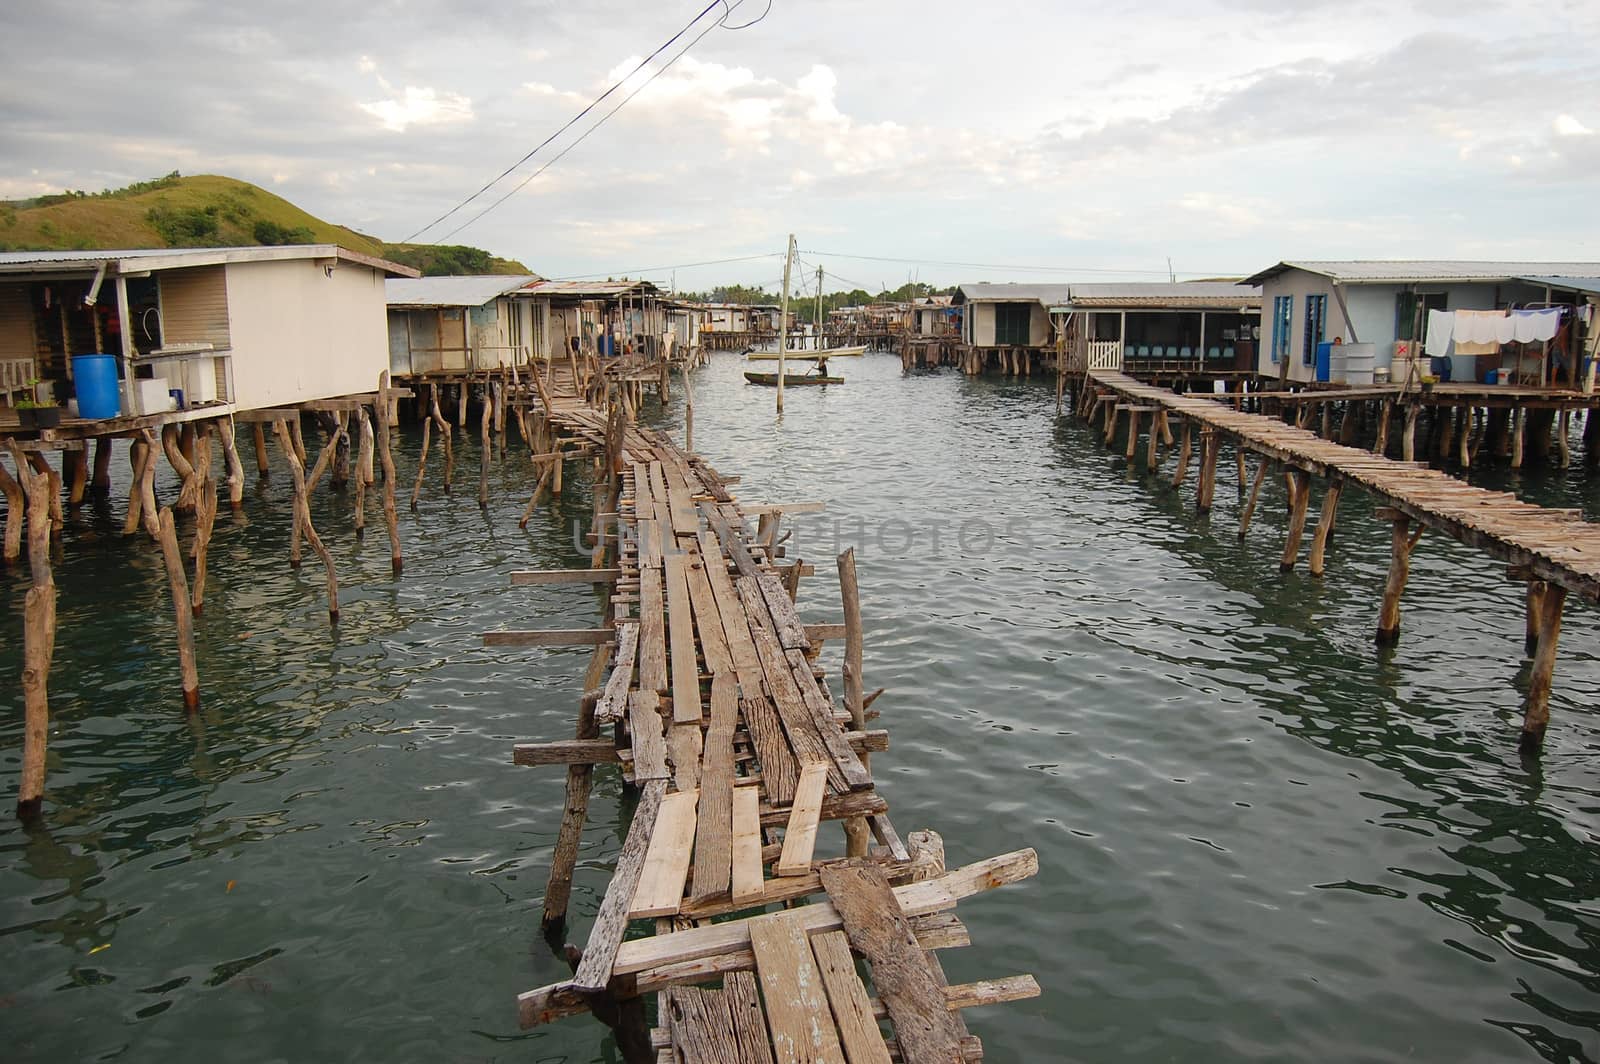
column 705, row 677
column 1555, row 551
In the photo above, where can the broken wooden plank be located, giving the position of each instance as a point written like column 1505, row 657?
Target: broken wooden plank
column 683, row 752
column 564, row 752
column 978, row 994
column 878, row 929
column 666, row 867
column 549, row 637
column 649, row 743
column 797, row 1012
column 800, row 836
column 749, row 1021
column 605, row 939
column 613, row 701
column 652, row 632
column 680, row 626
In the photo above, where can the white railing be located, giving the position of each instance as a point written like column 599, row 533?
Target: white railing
column 1105, row 354
column 15, row 373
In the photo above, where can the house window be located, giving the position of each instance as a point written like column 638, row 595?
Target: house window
column 1316, row 326
column 1012, row 323
column 1282, row 321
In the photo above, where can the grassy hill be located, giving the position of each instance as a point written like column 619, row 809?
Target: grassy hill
column 206, row 211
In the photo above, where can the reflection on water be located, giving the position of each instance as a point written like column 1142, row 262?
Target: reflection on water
column 1260, row 837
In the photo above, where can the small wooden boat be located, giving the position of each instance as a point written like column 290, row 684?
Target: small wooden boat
column 790, row 379
column 807, row 356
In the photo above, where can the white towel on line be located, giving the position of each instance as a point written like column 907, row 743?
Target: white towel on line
column 1441, row 323
column 1533, row 326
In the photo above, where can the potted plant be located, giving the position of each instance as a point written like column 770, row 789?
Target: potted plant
column 32, row 413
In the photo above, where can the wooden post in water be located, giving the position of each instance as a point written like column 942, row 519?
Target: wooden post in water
column 16, row 503
column 380, row 413
column 1299, row 498
column 303, row 519
column 1535, row 613
column 1133, row 433
column 783, row 322
column 1183, row 454
column 230, row 455
column 688, row 407
column 1408, row 436
column 77, row 467
column 1205, row 491
column 1255, row 495
column 182, row 608
column 205, row 510
column 1319, row 541
column 486, row 448
column 558, row 889
column 855, row 829
column 259, row 438
column 1536, row 718
column 100, row 485
column 444, row 438
column 1563, row 442
column 1402, row 542
column 38, row 638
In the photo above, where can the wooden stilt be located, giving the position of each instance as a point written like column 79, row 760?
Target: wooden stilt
column 1166, row 429
column 100, row 485
column 1184, row 453
column 16, row 504
column 339, row 472
column 1408, row 437
column 38, row 636
column 1464, row 419
column 1205, row 490
column 1240, row 468
column 380, row 412
column 1402, row 542
column 1319, row 540
column 205, row 510
column 1133, row 433
column 149, row 512
column 538, row 489
column 1535, row 613
column 259, row 437
column 77, row 470
column 1255, row 495
column 297, row 434
column 1536, row 717
column 1385, row 414
column 855, row 829
column 1517, row 421
column 1563, row 440
column 1300, row 497
column 444, row 438
column 53, row 479
column 303, row 508
column 183, row 609
column 364, row 476
column 558, row 889
column 230, row 456
column 1152, row 457
column 422, row 462
column 485, row 449
column 461, row 406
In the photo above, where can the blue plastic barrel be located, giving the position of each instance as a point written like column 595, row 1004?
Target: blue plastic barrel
column 96, row 379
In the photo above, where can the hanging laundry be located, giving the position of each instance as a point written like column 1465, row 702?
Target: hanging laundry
column 1440, row 325
column 1476, row 332
column 1505, row 329
column 1533, row 326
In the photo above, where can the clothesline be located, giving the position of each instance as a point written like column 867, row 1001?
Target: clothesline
column 1481, row 332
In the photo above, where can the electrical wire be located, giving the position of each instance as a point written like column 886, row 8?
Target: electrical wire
column 728, row 10
column 665, row 269
column 991, row 265
column 604, row 118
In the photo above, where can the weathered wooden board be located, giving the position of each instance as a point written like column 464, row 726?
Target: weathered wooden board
column 529, row 577
column 749, row 1021
column 649, row 743
column 564, row 752
column 878, row 929
column 797, row 1011
column 800, row 836
column 613, row 701
column 680, row 626
column 684, row 747
column 666, row 866
column 713, row 844
column 746, row 854
column 652, row 632
column 605, row 939
column 707, row 614
column 852, row 1007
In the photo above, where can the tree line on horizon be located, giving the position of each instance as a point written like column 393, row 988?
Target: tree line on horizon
column 802, row 302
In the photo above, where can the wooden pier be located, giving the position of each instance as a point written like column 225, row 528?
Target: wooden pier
column 1555, row 552
column 720, row 720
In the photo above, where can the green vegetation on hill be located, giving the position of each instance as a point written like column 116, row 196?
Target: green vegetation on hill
column 206, row 211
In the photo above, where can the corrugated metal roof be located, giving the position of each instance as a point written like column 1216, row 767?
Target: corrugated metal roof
column 592, row 289
column 473, row 291
column 1013, row 293
column 1183, row 295
column 1589, row 285
column 1429, row 271
column 131, row 260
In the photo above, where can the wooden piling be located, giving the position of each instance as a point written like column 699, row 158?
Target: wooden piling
column 205, row 518
column 1563, row 441
column 1402, row 541
column 259, row 438
column 182, row 608
column 380, row 412
column 1205, row 490
column 1408, row 436
column 303, row 519
column 1534, row 603
column 1517, row 421
column 558, row 889
column 1385, row 414
column 77, row 471
column 1133, row 432
column 100, row 484
column 1536, row 717
column 15, row 505
column 444, row 438
column 855, row 829
column 1299, row 483
column 38, row 639
column 364, row 477
column 1255, row 495
column 230, row 456
column 486, row 449
column 1183, row 454
column 422, row 462
column 1319, row 541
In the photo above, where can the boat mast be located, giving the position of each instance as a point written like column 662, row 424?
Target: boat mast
column 783, row 318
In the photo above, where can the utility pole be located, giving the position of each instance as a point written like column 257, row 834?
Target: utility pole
column 783, row 318
column 819, row 308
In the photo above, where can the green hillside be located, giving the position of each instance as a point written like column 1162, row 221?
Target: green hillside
column 206, row 211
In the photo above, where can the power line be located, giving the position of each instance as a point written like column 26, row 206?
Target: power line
column 996, row 266
column 604, row 118
column 728, row 10
column 664, row 269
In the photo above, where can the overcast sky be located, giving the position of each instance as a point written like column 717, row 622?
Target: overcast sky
column 956, row 142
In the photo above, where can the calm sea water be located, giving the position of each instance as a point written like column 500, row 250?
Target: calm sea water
column 1259, row 837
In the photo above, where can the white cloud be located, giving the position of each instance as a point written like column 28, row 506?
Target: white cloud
column 1567, row 126
column 419, row 107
